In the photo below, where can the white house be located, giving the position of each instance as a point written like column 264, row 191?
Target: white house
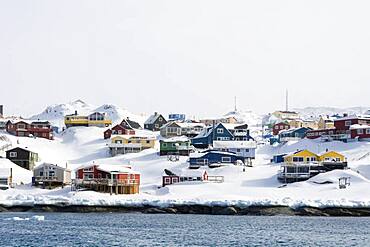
column 245, row 149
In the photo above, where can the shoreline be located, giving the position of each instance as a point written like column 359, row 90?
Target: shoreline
column 197, row 209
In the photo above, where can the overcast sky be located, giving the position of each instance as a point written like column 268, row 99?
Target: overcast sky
column 184, row 56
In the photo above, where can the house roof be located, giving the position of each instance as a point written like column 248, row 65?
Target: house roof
column 132, row 124
column 23, row 148
column 176, row 139
column 208, row 130
column 53, row 165
column 234, row 144
column 116, row 169
column 359, row 126
column 201, row 154
column 152, row 118
column 367, row 117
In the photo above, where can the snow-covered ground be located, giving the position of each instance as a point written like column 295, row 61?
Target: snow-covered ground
column 258, row 185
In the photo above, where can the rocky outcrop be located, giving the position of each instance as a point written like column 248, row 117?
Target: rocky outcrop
column 197, row 209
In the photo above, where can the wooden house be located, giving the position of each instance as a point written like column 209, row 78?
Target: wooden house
column 286, row 115
column 304, row 164
column 176, row 117
column 221, row 132
column 130, row 124
column 96, row 119
column 213, row 158
column 301, row 156
column 111, row 179
column 175, row 146
column 130, row 144
column 50, row 175
column 118, row 130
column 325, row 122
column 245, row 149
column 40, row 129
column 292, row 134
column 22, row 157
column 155, row 122
column 347, row 128
column 276, row 128
column 188, row 129
column 169, row 177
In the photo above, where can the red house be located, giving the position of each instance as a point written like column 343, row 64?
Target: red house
column 345, row 128
column 169, row 177
column 116, row 179
column 279, row 127
column 118, row 130
column 37, row 129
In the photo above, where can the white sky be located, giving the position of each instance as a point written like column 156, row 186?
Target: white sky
column 184, row 56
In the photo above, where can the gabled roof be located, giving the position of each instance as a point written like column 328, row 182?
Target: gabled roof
column 153, row 118
column 25, row 149
column 201, row 154
column 130, row 123
column 293, row 130
column 171, row 123
column 176, row 139
column 235, row 144
column 53, row 165
column 116, row 169
column 208, row 130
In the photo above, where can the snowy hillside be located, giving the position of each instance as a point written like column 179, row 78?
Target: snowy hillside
column 315, row 112
column 258, row 185
column 249, row 117
column 55, row 113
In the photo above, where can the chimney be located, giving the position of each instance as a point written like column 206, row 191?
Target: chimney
column 76, row 112
column 155, row 113
column 1, row 110
column 345, row 114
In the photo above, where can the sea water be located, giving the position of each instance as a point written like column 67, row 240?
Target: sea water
column 119, row 229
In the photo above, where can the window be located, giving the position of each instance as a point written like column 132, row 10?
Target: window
column 238, row 150
column 164, row 145
column 226, row 159
column 348, row 123
column 147, row 142
column 13, row 154
column 156, row 126
column 167, row 180
column 220, row 131
column 368, row 131
column 118, row 141
column 360, row 131
column 175, row 180
column 297, row 159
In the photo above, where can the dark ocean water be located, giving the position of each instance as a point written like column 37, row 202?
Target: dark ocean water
column 114, row 229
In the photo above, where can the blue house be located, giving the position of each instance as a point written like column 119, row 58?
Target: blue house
column 219, row 132
column 213, row 158
column 293, row 134
column 176, row 117
column 279, row 158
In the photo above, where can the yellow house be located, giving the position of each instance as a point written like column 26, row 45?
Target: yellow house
column 325, row 122
column 332, row 156
column 130, row 144
column 95, row 119
column 301, row 156
column 144, row 142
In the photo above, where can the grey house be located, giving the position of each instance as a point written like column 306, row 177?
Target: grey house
column 22, row 157
column 155, row 122
column 51, row 175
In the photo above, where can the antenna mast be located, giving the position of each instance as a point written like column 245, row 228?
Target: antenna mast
column 235, row 103
column 286, row 100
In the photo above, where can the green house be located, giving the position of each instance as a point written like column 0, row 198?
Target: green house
column 176, row 145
